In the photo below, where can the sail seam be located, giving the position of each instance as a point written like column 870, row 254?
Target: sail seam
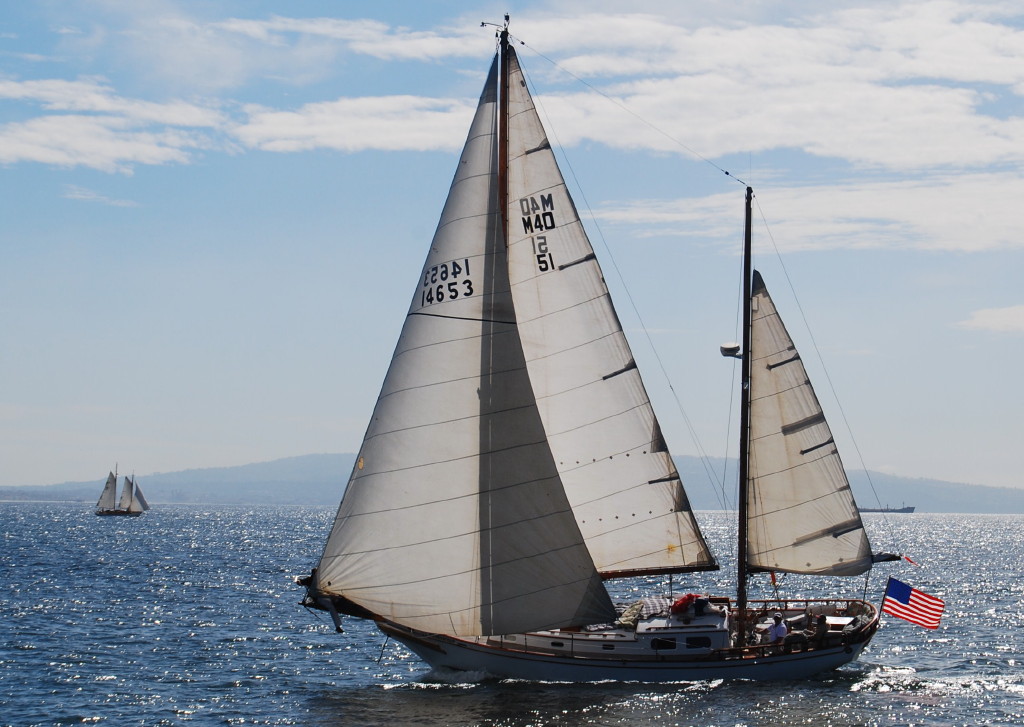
column 456, row 498
column 446, row 612
column 459, row 318
column 469, row 533
column 588, row 301
column 447, row 223
column 795, row 506
column 798, row 465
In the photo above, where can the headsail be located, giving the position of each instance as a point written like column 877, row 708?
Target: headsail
column 455, row 520
column 140, row 499
column 617, row 471
column 109, row 495
column 801, row 515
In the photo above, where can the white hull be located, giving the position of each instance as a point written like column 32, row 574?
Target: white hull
column 584, row 657
column 442, row 652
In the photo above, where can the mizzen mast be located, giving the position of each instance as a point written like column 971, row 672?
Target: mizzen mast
column 744, row 454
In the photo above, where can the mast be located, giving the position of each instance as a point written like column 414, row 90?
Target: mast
column 503, row 131
column 744, row 465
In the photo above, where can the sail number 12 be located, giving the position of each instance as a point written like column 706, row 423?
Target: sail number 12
column 446, row 281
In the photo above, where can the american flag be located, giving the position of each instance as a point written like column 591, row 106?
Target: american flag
column 913, row 605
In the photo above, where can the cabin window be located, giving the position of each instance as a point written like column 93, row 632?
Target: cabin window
column 557, row 644
column 698, row 642
column 663, row 644
column 608, row 647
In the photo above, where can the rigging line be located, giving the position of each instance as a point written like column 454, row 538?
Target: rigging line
column 824, row 368
column 737, row 333
column 705, row 460
column 657, row 129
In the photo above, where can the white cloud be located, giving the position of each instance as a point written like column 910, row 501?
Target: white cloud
column 93, row 95
column 72, row 191
column 875, row 86
column 369, row 37
column 969, row 213
column 103, row 143
column 103, row 130
column 999, row 320
column 389, row 123
column 887, row 87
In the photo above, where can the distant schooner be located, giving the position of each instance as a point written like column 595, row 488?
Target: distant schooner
column 132, row 503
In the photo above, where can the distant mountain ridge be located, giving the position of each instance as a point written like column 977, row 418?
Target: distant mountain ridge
column 311, row 479
column 319, row 480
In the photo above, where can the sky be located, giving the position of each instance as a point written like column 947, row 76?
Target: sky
column 214, row 213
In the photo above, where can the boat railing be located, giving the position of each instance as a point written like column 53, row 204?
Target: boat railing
column 569, row 643
column 844, row 611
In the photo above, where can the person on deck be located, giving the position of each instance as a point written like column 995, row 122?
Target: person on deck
column 820, row 632
column 777, row 631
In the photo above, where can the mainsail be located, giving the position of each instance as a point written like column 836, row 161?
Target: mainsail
column 126, row 496
column 801, row 515
column 109, row 495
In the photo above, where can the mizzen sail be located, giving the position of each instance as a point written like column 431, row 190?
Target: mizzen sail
column 801, row 515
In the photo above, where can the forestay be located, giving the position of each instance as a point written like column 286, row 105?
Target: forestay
column 801, row 515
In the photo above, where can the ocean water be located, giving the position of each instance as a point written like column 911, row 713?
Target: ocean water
column 188, row 615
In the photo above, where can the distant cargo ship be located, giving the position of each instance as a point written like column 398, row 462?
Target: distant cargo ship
column 905, row 508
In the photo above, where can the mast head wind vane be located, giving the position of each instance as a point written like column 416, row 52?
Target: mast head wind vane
column 501, row 31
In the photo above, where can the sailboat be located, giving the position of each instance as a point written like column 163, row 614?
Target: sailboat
column 513, row 463
column 132, row 503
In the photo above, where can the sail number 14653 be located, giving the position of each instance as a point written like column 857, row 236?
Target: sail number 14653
column 447, row 281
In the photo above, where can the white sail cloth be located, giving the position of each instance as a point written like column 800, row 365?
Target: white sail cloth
column 801, row 515
column 613, row 462
column 454, row 519
column 513, row 452
column 139, row 504
column 126, row 495
column 109, row 494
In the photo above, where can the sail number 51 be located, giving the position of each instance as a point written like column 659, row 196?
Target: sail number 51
column 541, row 253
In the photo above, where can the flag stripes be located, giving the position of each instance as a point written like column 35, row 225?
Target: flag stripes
column 912, row 605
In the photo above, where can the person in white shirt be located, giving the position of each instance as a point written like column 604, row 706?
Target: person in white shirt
column 777, row 631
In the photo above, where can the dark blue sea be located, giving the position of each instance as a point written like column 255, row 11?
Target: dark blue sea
column 188, row 615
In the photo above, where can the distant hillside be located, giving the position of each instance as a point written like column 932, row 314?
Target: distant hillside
column 312, row 479
column 872, row 490
column 319, row 479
